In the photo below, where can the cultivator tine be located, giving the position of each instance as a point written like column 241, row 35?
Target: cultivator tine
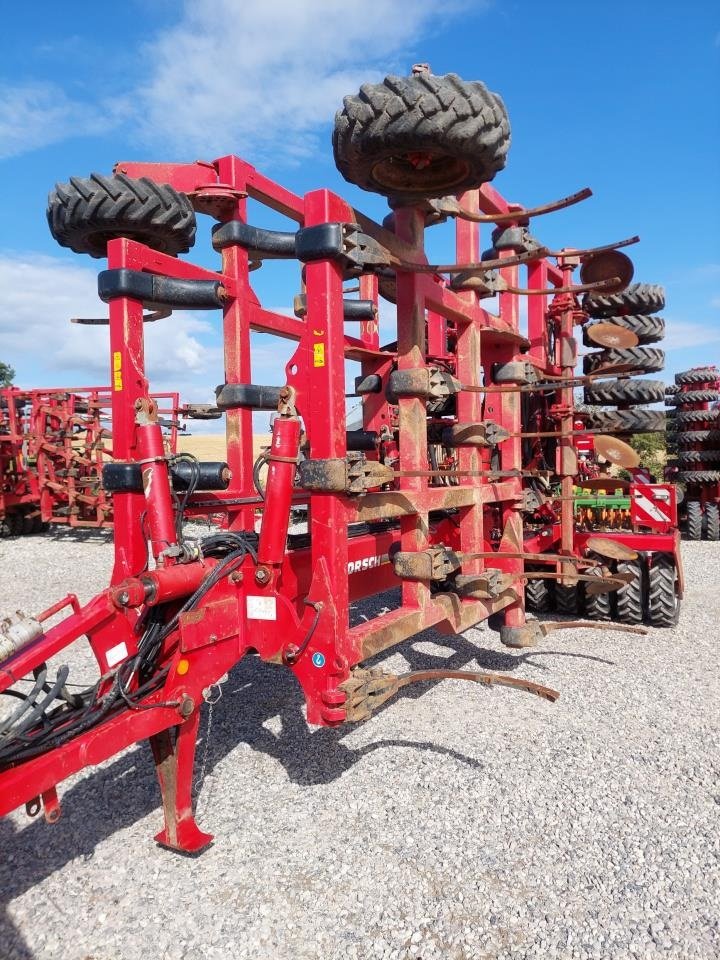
column 369, row 689
column 450, row 206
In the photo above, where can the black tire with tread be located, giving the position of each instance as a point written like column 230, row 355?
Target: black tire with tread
column 647, row 359
column 632, row 391
column 85, row 213
column 712, row 521
column 538, row 596
column 626, row 421
column 637, row 299
column 567, row 599
column 460, row 125
column 700, row 375
column 663, row 602
column 693, row 520
column 682, row 417
column 646, row 329
column 697, row 436
column 698, row 456
column 629, row 598
column 699, row 476
column 599, row 606
column 693, row 396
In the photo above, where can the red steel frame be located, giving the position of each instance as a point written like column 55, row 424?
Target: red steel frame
column 293, row 605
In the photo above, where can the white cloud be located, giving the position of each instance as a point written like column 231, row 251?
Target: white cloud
column 261, row 76
column 37, row 114
column 39, row 295
column 684, row 335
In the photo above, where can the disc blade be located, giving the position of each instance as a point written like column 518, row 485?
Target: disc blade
column 612, row 549
column 602, row 586
column 616, row 451
column 611, row 335
column 605, row 266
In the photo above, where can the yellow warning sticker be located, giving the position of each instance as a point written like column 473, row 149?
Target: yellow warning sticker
column 319, row 354
column 117, row 370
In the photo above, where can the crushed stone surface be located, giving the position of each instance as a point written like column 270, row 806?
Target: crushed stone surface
column 458, row 823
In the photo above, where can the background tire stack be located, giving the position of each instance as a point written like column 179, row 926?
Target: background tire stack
column 633, row 309
column 694, row 433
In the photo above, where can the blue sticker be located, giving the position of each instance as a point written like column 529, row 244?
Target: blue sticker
column 318, row 659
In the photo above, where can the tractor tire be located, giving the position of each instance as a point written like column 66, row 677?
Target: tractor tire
column 698, row 456
column 682, row 417
column 712, row 521
column 458, row 128
column 85, row 214
column 4, row 527
column 567, row 599
column 697, row 436
column 646, row 329
column 699, row 476
column 598, row 607
column 629, row 598
column 701, row 375
column 538, row 596
column 647, row 359
column 663, row 602
column 693, row 396
column 637, row 299
column 632, row 392
column 671, row 389
column 694, row 520
column 15, row 523
column 626, row 421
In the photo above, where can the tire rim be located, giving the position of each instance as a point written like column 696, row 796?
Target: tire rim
column 419, row 173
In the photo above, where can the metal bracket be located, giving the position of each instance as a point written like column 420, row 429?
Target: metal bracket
column 421, row 382
column 353, row 476
column 435, row 563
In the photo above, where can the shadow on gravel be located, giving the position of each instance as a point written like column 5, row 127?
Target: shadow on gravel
column 124, row 791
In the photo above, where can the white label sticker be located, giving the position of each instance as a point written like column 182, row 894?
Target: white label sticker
column 116, row 655
column 261, row 608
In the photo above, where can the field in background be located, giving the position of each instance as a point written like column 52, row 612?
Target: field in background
column 211, row 446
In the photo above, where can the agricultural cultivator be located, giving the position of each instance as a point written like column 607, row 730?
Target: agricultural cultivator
column 467, row 434
column 637, row 517
column 53, row 446
column 694, row 442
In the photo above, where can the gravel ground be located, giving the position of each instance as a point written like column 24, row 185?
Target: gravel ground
column 458, row 823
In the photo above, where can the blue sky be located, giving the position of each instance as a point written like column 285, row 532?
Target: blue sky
column 618, row 96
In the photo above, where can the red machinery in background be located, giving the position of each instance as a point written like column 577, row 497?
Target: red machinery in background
column 429, row 496
column 53, row 445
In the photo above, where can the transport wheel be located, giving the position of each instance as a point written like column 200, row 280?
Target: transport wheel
column 698, row 456
column 693, row 520
column 699, row 476
column 84, row 214
column 701, row 375
column 636, row 299
column 697, row 436
column 27, row 525
column 421, row 136
column 693, row 396
column 627, row 421
column 625, row 391
column 4, row 528
column 663, row 602
column 712, row 521
column 567, row 599
column 646, row 329
column 682, row 417
column 538, row 596
column 598, row 607
column 647, row 359
column 629, row 598
column 15, row 523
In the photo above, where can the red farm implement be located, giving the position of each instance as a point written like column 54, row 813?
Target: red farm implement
column 53, row 451
column 428, row 496
column 694, row 437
